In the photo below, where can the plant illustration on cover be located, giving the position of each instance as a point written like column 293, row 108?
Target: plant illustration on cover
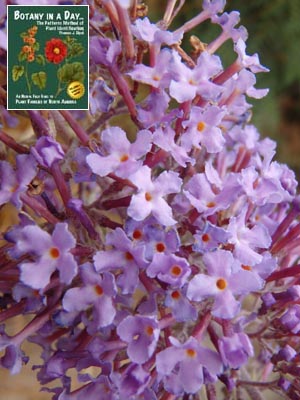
column 28, row 54
column 59, row 52
column 56, row 51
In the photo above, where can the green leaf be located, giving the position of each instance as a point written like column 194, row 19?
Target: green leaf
column 71, row 72
column 40, row 59
column 75, row 49
column 22, row 56
column 17, row 72
column 39, row 79
column 36, row 46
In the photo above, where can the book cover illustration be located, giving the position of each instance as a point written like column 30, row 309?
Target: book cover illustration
column 48, row 60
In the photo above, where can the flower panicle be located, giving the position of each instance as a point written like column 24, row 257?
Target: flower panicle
column 154, row 239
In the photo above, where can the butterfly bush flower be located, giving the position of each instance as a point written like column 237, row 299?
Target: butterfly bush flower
column 149, row 198
column 141, row 334
column 203, row 129
column 15, row 181
column 122, row 156
column 152, row 241
column 182, row 366
column 187, row 82
column 52, row 252
column 236, row 349
column 47, row 151
column 223, row 282
column 98, row 291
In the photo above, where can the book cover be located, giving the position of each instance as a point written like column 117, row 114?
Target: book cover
column 48, row 60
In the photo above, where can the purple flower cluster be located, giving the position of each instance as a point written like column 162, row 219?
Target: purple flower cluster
column 156, row 241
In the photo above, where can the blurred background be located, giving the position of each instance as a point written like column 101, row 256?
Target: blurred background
column 274, row 33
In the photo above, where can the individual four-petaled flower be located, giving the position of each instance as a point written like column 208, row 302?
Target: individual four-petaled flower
column 224, row 280
column 149, row 198
column 51, row 253
column 141, row 333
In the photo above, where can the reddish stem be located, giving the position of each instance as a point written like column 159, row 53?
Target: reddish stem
column 10, row 142
column 291, row 235
column 61, row 183
column 284, row 273
column 78, row 130
column 285, row 224
column 125, row 29
column 124, row 91
column 201, row 327
column 38, row 208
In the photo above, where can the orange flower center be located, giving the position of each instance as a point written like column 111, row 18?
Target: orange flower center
column 98, row 289
column 148, row 196
column 247, row 267
column 54, row 252
column 221, row 283
column 205, row 237
column 160, row 247
column 149, row 330
column 191, row 353
column 128, row 256
column 56, row 50
column 210, row 204
column 176, row 270
column 137, row 234
column 124, row 158
column 175, row 295
column 201, row 126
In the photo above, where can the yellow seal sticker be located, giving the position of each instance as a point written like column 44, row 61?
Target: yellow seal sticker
column 75, row 90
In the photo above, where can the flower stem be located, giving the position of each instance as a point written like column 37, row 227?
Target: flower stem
column 27, row 79
column 39, row 208
column 10, row 142
column 78, row 130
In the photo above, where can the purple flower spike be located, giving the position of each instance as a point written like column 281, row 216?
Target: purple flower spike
column 149, row 198
column 153, row 239
column 52, row 253
column 141, row 334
